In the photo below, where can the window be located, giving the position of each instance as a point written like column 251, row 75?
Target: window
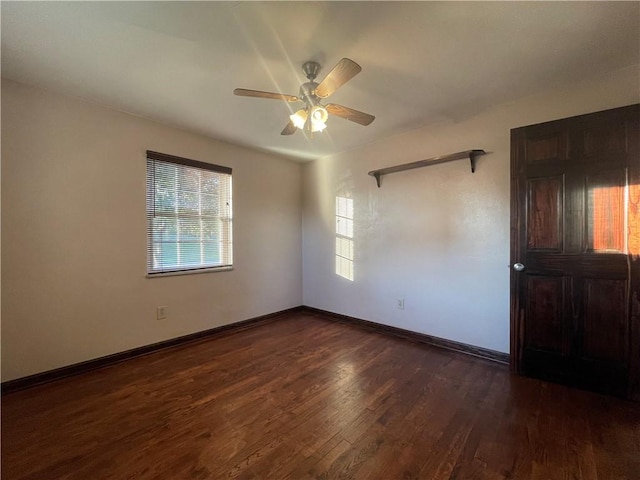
column 188, row 215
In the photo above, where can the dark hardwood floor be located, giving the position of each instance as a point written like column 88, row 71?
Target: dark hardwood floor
column 306, row 397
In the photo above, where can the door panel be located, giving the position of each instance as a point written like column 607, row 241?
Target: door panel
column 605, row 136
column 633, row 216
column 545, row 296
column 548, row 146
column 544, row 213
column 575, row 222
column 606, row 329
column 605, row 215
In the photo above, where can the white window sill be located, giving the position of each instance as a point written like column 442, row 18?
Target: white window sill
column 190, row 272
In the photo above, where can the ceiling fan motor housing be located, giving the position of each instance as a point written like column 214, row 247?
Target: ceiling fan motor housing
column 308, row 94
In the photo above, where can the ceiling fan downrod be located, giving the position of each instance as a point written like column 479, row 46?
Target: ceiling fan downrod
column 308, row 89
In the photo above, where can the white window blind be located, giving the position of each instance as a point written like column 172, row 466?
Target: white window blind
column 189, row 216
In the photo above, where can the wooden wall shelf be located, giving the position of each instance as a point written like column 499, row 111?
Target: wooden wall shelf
column 470, row 154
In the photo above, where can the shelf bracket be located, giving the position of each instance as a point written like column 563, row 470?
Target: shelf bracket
column 472, row 159
column 470, row 154
column 377, row 177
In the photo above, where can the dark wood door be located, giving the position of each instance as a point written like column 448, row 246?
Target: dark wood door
column 575, row 229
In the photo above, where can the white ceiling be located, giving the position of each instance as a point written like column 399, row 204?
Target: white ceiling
column 422, row 62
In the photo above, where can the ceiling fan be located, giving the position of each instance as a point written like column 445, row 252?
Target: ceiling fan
column 313, row 116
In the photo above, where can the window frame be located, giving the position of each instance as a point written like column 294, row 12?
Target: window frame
column 151, row 158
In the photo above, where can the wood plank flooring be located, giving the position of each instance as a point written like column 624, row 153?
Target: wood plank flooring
column 306, row 397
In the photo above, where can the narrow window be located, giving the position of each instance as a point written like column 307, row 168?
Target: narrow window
column 188, row 215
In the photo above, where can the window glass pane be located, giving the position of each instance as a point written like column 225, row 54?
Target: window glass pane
column 188, row 202
column 165, row 175
column 189, row 229
column 165, row 229
column 189, row 179
column 210, row 182
column 165, row 201
column 210, row 205
column 188, row 215
column 210, row 229
column 189, row 253
column 165, row 254
column 211, row 251
column 165, row 187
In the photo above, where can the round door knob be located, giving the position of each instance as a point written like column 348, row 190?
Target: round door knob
column 518, row 267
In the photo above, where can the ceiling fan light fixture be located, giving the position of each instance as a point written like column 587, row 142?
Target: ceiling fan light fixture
column 317, row 126
column 299, row 118
column 319, row 116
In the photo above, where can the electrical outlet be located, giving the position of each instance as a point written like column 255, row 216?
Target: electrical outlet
column 161, row 313
column 400, row 303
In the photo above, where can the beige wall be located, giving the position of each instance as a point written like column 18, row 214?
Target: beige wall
column 73, row 234
column 436, row 236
